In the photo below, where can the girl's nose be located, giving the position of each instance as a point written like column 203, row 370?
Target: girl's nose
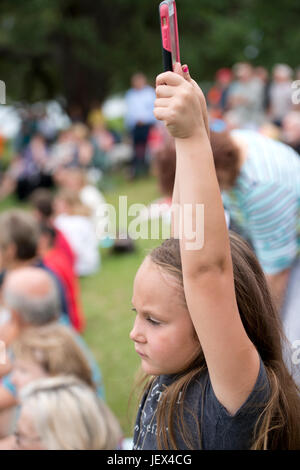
column 136, row 333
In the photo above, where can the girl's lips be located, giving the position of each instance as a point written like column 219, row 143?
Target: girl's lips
column 140, row 354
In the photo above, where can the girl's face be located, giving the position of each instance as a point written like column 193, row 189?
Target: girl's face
column 25, row 371
column 26, row 436
column 163, row 332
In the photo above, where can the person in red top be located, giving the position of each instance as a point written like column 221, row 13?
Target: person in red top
column 42, row 201
column 62, row 245
column 58, row 262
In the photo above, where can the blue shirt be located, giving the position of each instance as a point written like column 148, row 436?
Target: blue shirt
column 140, row 105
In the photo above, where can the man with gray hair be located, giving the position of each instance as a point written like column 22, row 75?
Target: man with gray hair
column 31, row 297
column 19, row 237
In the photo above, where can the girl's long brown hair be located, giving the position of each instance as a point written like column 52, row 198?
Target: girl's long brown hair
column 278, row 426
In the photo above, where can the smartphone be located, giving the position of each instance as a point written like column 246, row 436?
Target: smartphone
column 169, row 34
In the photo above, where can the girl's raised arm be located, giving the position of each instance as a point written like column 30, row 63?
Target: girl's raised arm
column 232, row 360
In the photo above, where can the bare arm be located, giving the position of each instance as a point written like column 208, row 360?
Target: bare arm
column 232, row 360
column 175, row 207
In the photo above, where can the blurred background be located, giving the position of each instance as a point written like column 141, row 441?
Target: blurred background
column 69, row 67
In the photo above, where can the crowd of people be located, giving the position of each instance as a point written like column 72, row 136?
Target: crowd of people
column 252, row 98
column 217, row 327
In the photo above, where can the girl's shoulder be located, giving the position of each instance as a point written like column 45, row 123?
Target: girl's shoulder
column 222, row 430
column 253, row 405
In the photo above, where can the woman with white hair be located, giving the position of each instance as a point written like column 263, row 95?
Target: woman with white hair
column 63, row 413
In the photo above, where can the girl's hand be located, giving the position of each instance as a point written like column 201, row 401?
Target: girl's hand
column 181, row 104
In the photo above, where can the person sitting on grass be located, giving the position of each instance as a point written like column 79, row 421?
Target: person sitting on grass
column 19, row 238
column 64, row 413
column 49, row 351
column 31, row 297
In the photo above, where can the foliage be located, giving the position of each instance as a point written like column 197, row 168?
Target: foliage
column 83, row 50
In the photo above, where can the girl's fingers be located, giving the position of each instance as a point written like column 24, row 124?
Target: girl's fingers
column 169, row 78
column 178, row 69
column 161, row 113
column 162, row 102
column 164, row 91
column 204, row 108
column 186, row 73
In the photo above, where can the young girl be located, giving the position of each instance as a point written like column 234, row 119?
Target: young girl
column 206, row 329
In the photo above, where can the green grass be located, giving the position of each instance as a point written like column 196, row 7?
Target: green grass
column 106, row 299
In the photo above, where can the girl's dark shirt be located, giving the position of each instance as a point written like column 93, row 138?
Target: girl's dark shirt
column 219, row 429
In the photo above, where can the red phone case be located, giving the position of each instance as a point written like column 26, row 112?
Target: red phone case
column 169, row 34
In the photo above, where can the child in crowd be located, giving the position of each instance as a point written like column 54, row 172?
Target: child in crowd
column 73, row 220
column 206, row 328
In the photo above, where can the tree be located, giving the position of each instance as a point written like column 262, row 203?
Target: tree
column 83, row 50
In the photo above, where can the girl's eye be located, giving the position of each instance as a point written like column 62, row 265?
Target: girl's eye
column 153, row 322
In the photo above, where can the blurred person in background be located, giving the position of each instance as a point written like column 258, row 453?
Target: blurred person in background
column 269, row 129
column 42, row 201
column 262, row 74
column 291, row 130
column 57, row 261
column 217, row 95
column 76, row 180
column 2, row 144
column 29, row 126
column 63, row 151
column 260, row 181
column 102, row 139
column 31, row 297
column 232, row 120
column 280, row 93
column 164, row 162
column 28, row 170
column 245, row 96
column 84, row 148
column 45, row 125
column 163, row 165
column 41, row 351
column 73, row 219
column 72, row 149
column 139, row 119
column 19, row 238
column 63, row 413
